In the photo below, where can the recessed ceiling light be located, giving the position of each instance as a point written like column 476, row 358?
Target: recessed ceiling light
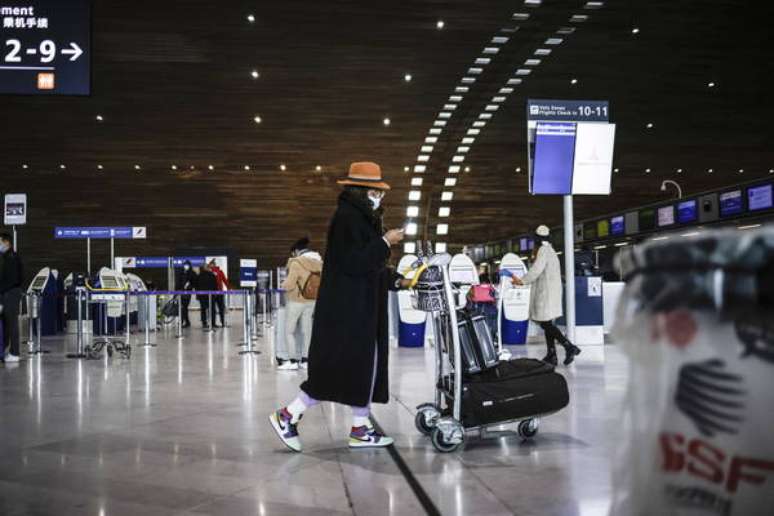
column 411, row 228
column 771, row 171
column 454, row 169
column 408, row 77
column 254, row 74
column 574, row 81
column 447, row 196
column 532, row 62
column 565, row 30
column 483, row 60
column 520, row 16
column 554, row 41
column 679, row 170
column 416, row 181
column 616, row 170
column 318, row 168
column 475, row 70
column 283, row 167
column 62, row 167
column 491, row 50
column 420, row 169
column 386, row 122
column 593, row 5
column 455, row 98
column 444, row 114
column 257, row 119
column 710, row 84
column 647, row 171
column 25, row 167
column 247, row 167
column 505, row 91
column 412, row 211
column 426, row 148
column 542, row 51
column 174, row 167
column 741, row 170
column 579, row 18
column 514, row 82
column 435, row 130
column 635, row 30
column 406, row 168
column 649, row 125
column 500, row 40
column 100, row 167
column 192, row 167
column 99, row 118
column 251, row 18
column 518, row 169
column 467, row 169
column 461, row 89
column 533, row 3
column 468, row 80
column 211, row 167
column 523, row 71
column 485, row 116
column 442, row 229
column 710, row 171
column 423, row 158
column 137, row 167
column 415, row 195
column 431, row 139
column 440, row 24
column 444, row 211
column 451, row 181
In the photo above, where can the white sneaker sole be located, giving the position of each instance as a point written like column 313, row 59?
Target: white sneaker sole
column 296, row 447
column 385, row 442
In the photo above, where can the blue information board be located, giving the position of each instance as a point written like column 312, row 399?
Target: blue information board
column 45, row 47
column 617, row 225
column 687, row 212
column 99, row 232
column 554, row 157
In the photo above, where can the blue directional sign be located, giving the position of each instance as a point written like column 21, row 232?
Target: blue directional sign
column 162, row 262
column 99, row 232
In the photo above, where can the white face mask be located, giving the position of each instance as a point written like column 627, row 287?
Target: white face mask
column 4, row 247
column 375, row 201
column 186, row 268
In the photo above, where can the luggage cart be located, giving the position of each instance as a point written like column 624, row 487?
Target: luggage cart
column 109, row 298
column 442, row 420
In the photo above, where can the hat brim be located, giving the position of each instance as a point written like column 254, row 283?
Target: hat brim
column 376, row 185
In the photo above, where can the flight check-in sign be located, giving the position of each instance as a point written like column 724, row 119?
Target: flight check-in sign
column 128, row 232
column 45, row 47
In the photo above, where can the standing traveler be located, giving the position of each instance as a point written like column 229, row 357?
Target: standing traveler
column 186, row 281
column 348, row 351
column 206, row 281
column 219, row 302
column 11, row 277
column 545, row 301
column 301, row 284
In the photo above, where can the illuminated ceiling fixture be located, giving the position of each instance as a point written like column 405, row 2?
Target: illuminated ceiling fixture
column 649, row 125
column 416, row 181
column 566, row 30
column 594, row 5
column 419, row 169
column 100, row 167
column 450, row 107
column 485, row 116
column 498, row 99
column 542, row 51
column 210, row 167
column 447, row 196
column 386, row 122
column 679, row 170
column 483, row 60
column 492, row 107
column 251, row 18
column 523, row 71
column 440, row 123
column 192, row 167
column 455, row 98
column 435, row 130
column 440, row 24
column 533, row 3
column 458, row 159
column 462, row 149
column 62, row 167
column 318, row 168
column 431, row 139
column 635, row 30
column 468, row 141
column 741, row 170
column 554, row 41
column 490, row 50
column 461, row 89
column 500, row 40
column 99, row 118
column 444, row 114
column 616, row 170
column 771, row 171
column 579, row 18
column 406, row 168
column 647, row 171
column 514, row 82
column 521, row 16
column 257, row 119
column 426, row 148
column 25, row 166
column 137, row 167
column 408, row 77
column 411, row 228
column 442, row 229
column 283, row 167
column 467, row 169
column 475, row 70
column 574, row 81
column 412, row 211
column 479, row 123
column 450, row 181
column 410, row 247
column 505, row 91
column 174, row 167
column 254, row 74
column 454, row 169
column 440, row 247
column 532, row 62
column 710, row 171
column 247, row 167
column 468, row 80
column 473, row 132
column 518, row 169
column 710, row 84
column 423, row 158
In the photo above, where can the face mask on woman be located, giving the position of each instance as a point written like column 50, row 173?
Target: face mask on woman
column 4, row 247
column 375, row 198
column 186, row 267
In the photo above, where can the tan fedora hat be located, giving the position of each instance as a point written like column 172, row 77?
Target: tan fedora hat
column 365, row 173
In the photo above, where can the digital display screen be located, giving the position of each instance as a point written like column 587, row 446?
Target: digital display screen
column 647, row 219
column 603, row 228
column 530, row 244
column 759, row 198
column 617, row 226
column 687, row 212
column 593, row 161
column 589, row 231
column 554, row 155
column 45, row 47
column 38, row 282
column 731, row 203
column 109, row 282
column 523, row 244
column 666, row 216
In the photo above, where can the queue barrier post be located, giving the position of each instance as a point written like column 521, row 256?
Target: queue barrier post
column 147, row 343
column 79, row 331
column 179, row 317
column 37, row 349
column 247, row 321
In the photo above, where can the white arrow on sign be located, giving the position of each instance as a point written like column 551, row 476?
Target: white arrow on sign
column 74, row 50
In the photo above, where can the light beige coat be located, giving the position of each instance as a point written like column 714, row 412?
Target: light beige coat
column 545, row 278
column 299, row 269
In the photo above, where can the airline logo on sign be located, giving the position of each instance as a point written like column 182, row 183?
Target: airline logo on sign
column 101, row 232
column 139, row 232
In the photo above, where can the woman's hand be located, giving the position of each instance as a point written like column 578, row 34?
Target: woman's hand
column 516, row 280
column 405, row 283
column 394, row 236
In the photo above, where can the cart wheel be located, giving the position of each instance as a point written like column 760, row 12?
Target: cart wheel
column 426, row 418
column 528, row 428
column 448, row 435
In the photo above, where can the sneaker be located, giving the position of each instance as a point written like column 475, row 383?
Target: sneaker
column 288, row 366
column 11, row 359
column 365, row 437
column 285, row 430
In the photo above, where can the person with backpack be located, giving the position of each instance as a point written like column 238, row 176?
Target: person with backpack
column 301, row 287
column 348, row 354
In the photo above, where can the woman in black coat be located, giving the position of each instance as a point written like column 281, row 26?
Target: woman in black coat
column 349, row 347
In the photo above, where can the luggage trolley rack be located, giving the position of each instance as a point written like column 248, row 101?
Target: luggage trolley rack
column 447, row 420
column 108, row 343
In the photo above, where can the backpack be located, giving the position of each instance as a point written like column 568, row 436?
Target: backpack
column 311, row 286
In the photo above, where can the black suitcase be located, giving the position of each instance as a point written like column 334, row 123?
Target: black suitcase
column 476, row 343
column 514, row 389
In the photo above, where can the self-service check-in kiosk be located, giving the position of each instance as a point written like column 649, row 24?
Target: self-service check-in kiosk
column 42, row 301
column 141, row 308
column 589, row 311
column 412, row 323
column 109, row 317
column 73, row 281
column 513, row 302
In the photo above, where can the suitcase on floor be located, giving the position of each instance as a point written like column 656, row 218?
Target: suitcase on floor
column 512, row 390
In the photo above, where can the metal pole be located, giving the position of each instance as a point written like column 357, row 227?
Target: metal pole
column 126, row 313
column 147, row 322
column 30, row 323
column 247, row 330
column 171, row 275
column 15, row 243
column 38, row 318
column 569, row 266
column 210, row 313
column 88, row 256
column 179, row 317
column 112, row 253
column 79, row 331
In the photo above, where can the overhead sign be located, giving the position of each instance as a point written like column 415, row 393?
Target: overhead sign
column 15, row 213
column 593, row 162
column 568, row 110
column 160, row 262
column 45, row 47
column 137, row 232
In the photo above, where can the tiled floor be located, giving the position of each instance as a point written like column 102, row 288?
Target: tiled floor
column 182, row 429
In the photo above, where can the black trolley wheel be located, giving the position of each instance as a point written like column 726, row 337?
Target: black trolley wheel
column 441, row 444
column 527, row 429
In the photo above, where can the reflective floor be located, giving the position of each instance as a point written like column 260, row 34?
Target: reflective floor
column 182, row 428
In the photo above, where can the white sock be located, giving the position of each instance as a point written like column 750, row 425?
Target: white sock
column 358, row 421
column 296, row 408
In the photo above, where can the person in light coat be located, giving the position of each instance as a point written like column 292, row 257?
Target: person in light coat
column 545, row 303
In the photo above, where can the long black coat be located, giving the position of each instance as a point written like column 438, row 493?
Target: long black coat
column 350, row 318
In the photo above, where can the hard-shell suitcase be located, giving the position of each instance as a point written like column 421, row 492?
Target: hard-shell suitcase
column 477, row 346
column 512, row 390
